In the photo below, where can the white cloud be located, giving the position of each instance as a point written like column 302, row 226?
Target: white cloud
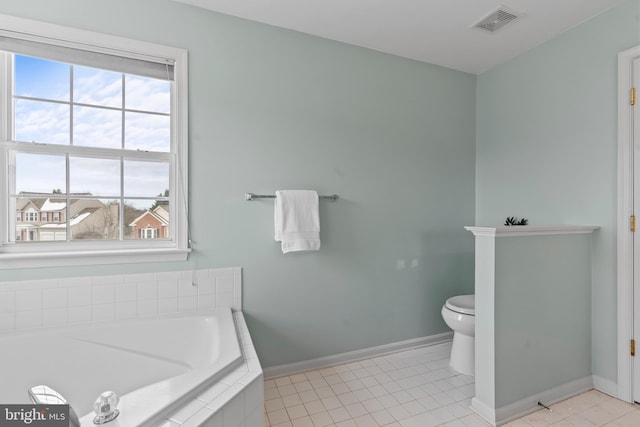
column 42, row 122
column 47, row 122
column 39, row 173
column 147, row 94
column 147, row 132
column 97, row 127
column 97, row 87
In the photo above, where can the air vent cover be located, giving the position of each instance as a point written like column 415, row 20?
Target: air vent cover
column 498, row 19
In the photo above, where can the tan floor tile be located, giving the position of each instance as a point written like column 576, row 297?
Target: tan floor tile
column 297, row 411
column 550, row 417
column 518, row 423
column 314, row 407
column 632, row 419
column 321, row 419
column 619, row 407
column 302, row 422
column 292, row 400
column 563, row 423
column 297, row 378
column 277, row 417
column 599, row 415
column 411, row 388
column 365, row 421
column 339, row 414
column 282, row 381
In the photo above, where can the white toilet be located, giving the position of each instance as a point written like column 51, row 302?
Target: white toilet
column 460, row 315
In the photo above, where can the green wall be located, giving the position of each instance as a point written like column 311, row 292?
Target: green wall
column 533, row 323
column 546, row 144
column 397, row 140
column 273, row 109
column 542, row 314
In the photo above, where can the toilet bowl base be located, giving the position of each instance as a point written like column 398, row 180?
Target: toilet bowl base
column 463, row 354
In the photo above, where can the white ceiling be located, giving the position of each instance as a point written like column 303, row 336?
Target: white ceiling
column 433, row 31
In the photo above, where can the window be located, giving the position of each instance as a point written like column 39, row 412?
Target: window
column 148, row 233
column 95, row 138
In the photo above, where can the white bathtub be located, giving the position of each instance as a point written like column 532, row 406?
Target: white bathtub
column 155, row 365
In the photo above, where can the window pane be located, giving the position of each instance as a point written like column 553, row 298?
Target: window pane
column 40, row 219
column 147, row 94
column 97, row 177
column 147, row 132
column 44, row 122
column 95, row 219
column 41, row 78
column 146, row 179
column 97, row 87
column 97, row 127
column 40, row 173
column 151, row 220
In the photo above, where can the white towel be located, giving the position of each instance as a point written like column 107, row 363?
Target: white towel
column 296, row 220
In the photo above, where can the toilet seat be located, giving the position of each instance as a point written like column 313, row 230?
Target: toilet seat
column 464, row 304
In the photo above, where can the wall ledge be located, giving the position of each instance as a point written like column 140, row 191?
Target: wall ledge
column 531, row 230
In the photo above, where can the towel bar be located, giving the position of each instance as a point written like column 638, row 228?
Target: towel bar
column 251, row 196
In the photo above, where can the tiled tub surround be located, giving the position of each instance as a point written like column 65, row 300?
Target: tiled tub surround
column 234, row 401
column 154, row 364
column 44, row 303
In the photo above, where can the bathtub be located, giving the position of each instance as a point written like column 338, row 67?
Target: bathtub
column 155, row 365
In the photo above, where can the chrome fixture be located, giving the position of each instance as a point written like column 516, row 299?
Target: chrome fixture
column 106, row 407
column 45, row 395
column 251, row 196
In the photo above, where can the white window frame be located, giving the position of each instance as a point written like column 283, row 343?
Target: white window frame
column 48, row 254
column 149, row 233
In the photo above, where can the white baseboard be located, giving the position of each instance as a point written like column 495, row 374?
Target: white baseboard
column 484, row 410
column 605, row 386
column 352, row 356
column 529, row 404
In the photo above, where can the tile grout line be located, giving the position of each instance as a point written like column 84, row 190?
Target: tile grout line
column 413, row 388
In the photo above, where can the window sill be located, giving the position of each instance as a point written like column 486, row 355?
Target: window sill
column 91, row 257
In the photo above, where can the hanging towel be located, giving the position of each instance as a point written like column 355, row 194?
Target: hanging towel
column 296, row 220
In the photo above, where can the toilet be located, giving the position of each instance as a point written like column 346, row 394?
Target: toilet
column 459, row 314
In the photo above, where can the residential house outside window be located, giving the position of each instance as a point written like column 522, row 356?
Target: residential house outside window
column 95, row 138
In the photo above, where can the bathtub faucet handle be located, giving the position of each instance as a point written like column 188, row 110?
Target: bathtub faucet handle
column 106, row 407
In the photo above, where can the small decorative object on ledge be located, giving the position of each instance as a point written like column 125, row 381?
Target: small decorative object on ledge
column 512, row 220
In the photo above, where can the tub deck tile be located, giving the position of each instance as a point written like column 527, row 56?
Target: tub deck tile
column 187, row 411
column 238, row 396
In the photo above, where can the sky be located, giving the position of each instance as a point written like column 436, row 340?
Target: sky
column 101, row 121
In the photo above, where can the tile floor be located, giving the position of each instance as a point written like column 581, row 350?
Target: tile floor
column 413, row 388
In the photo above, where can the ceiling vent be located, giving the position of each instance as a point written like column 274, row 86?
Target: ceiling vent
column 497, row 19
